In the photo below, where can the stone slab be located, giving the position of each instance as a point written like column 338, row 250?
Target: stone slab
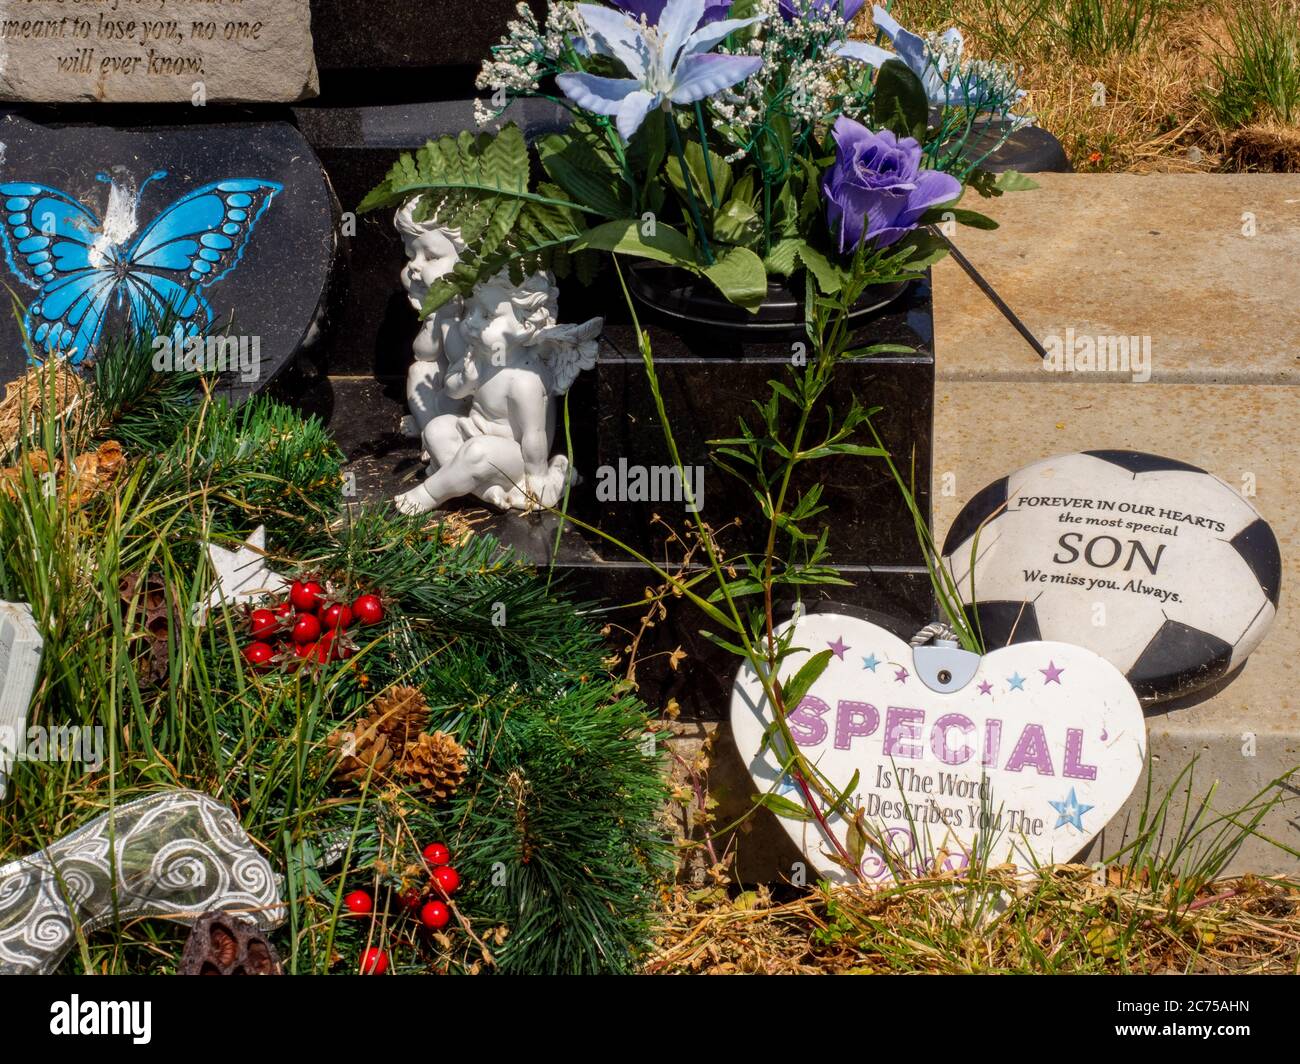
column 1164, row 256
column 20, row 662
column 157, row 51
column 1246, row 732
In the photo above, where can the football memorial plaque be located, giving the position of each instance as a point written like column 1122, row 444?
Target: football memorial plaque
column 1159, row 567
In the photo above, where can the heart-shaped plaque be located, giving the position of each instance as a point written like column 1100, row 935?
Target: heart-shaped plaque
column 1020, row 756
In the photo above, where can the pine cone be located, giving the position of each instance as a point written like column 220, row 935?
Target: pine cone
column 364, row 751
column 401, row 714
column 148, row 609
column 94, row 472
column 396, row 718
column 436, row 763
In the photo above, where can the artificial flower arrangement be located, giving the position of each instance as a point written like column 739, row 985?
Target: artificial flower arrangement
column 750, row 143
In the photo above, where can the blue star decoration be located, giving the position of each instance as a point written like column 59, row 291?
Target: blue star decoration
column 870, row 662
column 1016, row 681
column 1069, row 811
column 787, row 784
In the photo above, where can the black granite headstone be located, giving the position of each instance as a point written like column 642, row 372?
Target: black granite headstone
column 710, row 380
column 392, row 50
column 230, row 226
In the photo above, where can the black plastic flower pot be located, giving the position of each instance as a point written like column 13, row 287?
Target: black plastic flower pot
column 694, row 302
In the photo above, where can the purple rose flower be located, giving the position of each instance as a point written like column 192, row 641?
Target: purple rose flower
column 876, row 190
column 793, row 9
column 653, row 9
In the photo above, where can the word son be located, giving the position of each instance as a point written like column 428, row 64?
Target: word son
column 952, row 738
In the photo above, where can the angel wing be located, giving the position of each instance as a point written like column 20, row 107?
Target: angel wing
column 568, row 350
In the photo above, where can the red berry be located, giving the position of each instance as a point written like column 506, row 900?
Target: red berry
column 285, row 609
column 437, row 854
column 410, row 899
column 368, row 609
column 446, row 879
column 306, row 629
column 304, row 650
column 325, row 648
column 263, row 624
column 374, row 961
column 305, row 595
column 336, row 615
column 435, row 915
column 258, row 655
column 358, row 902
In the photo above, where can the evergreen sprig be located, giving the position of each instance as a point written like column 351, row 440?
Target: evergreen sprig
column 480, row 185
column 131, row 401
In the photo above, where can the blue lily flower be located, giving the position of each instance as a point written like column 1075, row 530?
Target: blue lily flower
column 669, row 62
column 912, row 50
column 654, row 9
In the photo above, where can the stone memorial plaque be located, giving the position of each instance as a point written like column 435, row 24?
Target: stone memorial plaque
column 156, row 51
column 1020, row 756
column 228, row 227
column 1161, row 568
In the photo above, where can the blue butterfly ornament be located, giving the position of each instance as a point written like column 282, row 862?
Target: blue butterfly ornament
column 82, row 267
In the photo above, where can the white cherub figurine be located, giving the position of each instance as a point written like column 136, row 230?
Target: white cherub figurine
column 508, row 359
column 432, row 251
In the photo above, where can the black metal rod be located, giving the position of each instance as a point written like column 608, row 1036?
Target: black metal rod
column 991, row 293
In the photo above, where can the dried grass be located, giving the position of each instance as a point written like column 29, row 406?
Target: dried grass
column 1269, row 148
column 1155, row 117
column 25, row 400
column 1064, row 920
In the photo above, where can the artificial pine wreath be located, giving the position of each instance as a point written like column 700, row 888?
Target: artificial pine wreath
column 553, row 814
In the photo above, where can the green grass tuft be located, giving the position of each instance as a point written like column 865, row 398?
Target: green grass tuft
column 1259, row 69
